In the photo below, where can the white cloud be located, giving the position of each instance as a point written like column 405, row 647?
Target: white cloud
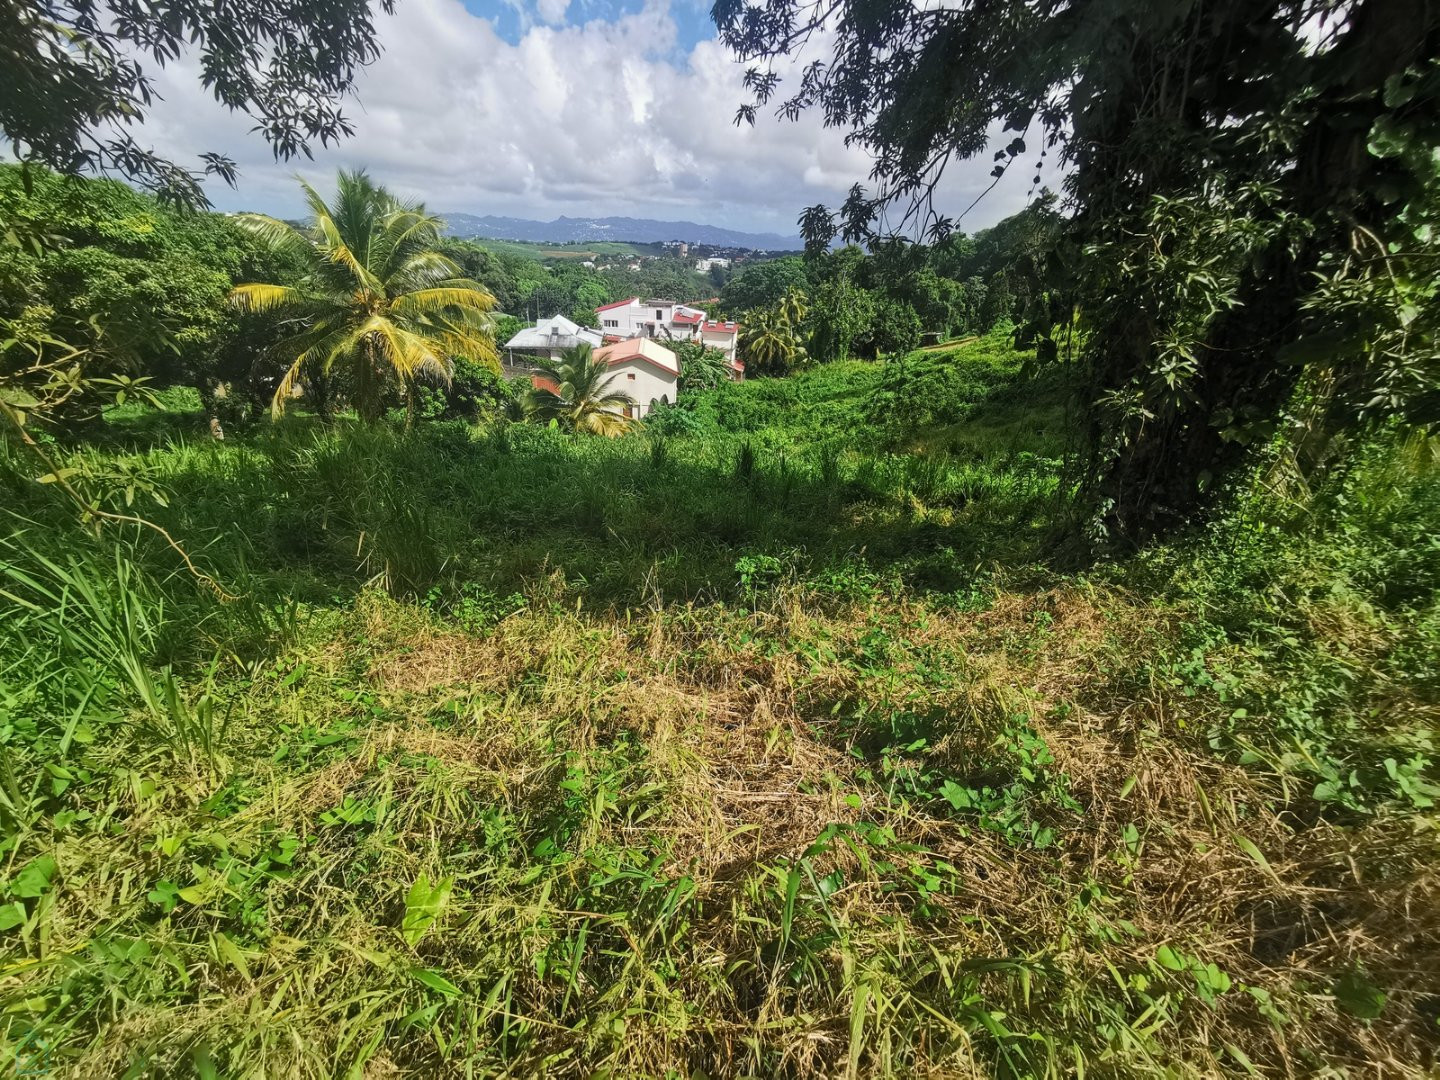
column 605, row 117
column 552, row 11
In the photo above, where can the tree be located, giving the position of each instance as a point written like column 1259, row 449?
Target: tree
column 480, row 264
column 702, row 367
column 475, row 392
column 116, row 275
column 73, row 88
column 670, row 278
column 770, row 338
column 894, row 328
column 377, row 298
column 1253, row 191
column 579, row 397
column 839, row 313
column 763, row 285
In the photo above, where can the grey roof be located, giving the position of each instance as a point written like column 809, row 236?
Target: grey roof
column 556, row 332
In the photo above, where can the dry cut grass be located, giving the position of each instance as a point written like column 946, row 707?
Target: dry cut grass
column 717, row 842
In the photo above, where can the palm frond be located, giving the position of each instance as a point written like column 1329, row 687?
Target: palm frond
column 405, row 233
column 320, row 343
column 436, row 300
column 338, row 252
column 409, row 354
column 278, row 236
column 260, row 297
column 421, row 270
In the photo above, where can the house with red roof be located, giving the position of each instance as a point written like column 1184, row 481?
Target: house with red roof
column 662, row 319
column 721, row 334
column 665, row 320
column 644, row 370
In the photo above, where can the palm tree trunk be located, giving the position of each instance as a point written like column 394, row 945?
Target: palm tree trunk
column 367, row 396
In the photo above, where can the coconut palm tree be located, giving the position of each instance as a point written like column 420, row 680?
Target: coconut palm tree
column 793, row 307
column 579, row 397
column 770, row 340
column 376, row 297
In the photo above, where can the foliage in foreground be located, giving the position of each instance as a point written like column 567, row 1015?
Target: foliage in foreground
column 741, row 752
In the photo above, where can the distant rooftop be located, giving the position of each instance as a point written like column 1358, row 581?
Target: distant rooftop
column 646, row 349
column 556, row 332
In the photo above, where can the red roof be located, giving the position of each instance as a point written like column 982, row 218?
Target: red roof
column 638, row 349
column 688, row 319
column 713, row 326
column 619, row 303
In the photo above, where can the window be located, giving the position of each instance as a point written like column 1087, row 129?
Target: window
column 659, row 315
column 612, row 322
column 630, row 375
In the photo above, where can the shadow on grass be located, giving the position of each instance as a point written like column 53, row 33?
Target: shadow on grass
column 620, row 522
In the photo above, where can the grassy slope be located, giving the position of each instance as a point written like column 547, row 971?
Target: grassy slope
column 771, row 749
column 540, row 252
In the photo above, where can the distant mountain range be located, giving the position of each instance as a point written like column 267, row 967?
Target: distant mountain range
column 630, row 230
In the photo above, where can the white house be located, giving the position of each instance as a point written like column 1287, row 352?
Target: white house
column 722, row 335
column 703, row 265
column 549, row 338
column 646, row 371
column 664, row 319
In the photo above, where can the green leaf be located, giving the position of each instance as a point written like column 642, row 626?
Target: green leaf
column 435, row 981
column 12, row 915
column 1256, row 855
column 423, row 904
column 20, row 399
column 33, row 881
column 857, row 1027
column 1387, row 138
column 1398, row 91
column 232, row 955
column 957, row 795
column 165, row 895
column 1167, row 958
column 193, row 894
column 1358, row 996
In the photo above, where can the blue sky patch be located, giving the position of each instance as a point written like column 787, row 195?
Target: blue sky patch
column 512, row 18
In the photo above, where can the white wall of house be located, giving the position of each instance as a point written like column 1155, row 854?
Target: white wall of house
column 722, row 340
column 639, row 317
column 644, row 382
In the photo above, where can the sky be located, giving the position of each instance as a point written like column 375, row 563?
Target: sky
column 581, row 108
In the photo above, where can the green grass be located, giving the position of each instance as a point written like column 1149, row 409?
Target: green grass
column 540, row 252
column 768, row 742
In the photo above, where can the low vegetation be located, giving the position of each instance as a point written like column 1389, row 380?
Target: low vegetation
column 782, row 736
column 1033, row 671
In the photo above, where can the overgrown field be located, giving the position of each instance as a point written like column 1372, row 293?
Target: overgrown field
column 774, row 741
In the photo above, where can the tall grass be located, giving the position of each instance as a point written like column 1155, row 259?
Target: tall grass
column 747, row 750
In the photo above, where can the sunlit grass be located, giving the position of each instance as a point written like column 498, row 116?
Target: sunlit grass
column 755, row 751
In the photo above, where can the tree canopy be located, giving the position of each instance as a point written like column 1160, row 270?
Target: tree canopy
column 73, row 88
column 377, row 299
column 1252, row 194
